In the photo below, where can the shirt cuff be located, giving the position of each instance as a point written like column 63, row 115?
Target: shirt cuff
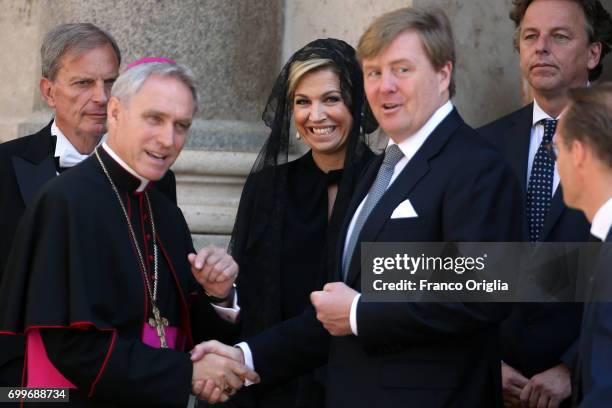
column 248, row 359
column 353, row 315
column 229, row 314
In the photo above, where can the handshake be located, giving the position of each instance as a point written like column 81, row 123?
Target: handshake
column 218, row 371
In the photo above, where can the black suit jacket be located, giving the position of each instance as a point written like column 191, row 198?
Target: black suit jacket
column 26, row 164
column 425, row 355
column 593, row 371
column 539, row 336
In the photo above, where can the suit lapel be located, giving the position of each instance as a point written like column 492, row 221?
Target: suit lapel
column 590, row 310
column 36, row 166
column 399, row 190
column 554, row 212
column 410, row 176
column 361, row 190
column 517, row 138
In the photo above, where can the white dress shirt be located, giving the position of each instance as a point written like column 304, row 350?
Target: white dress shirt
column 68, row 155
column 602, row 221
column 537, row 134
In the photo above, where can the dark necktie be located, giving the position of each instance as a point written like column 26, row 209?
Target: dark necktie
column 539, row 190
column 393, row 154
column 57, row 165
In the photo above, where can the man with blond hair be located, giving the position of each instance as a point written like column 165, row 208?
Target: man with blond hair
column 389, row 354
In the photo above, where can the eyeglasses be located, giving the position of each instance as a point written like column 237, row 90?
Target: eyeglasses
column 553, row 151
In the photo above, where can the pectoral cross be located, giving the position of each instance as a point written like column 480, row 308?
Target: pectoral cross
column 159, row 323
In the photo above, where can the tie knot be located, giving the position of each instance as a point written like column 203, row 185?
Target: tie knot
column 393, row 154
column 550, row 126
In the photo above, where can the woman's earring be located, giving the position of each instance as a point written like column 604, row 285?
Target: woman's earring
column 298, row 136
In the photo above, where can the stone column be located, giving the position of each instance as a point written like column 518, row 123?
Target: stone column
column 20, row 34
column 343, row 19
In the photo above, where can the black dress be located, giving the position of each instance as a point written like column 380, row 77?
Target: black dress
column 282, row 238
column 268, row 294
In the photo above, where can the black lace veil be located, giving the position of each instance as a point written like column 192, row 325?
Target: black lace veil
column 268, row 177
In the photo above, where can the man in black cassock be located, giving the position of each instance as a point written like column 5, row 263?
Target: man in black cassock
column 98, row 279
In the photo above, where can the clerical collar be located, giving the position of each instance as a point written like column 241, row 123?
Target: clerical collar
column 602, row 221
column 410, row 145
column 68, row 155
column 132, row 181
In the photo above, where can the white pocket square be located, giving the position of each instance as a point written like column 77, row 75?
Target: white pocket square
column 404, row 210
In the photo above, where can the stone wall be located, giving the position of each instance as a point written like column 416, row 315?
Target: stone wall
column 20, row 33
column 487, row 72
column 344, row 19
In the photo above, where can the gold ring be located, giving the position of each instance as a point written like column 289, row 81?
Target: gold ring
column 228, row 389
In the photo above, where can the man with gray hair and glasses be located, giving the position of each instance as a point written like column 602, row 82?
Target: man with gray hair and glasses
column 114, row 329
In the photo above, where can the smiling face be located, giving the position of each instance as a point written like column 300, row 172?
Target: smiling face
column 320, row 114
column 149, row 132
column 80, row 91
column 403, row 88
column 555, row 53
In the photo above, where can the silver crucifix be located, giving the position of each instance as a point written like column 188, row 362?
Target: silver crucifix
column 159, row 323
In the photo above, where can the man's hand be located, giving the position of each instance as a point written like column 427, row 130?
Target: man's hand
column 214, row 269
column 513, row 383
column 548, row 389
column 333, row 305
column 218, row 371
column 208, row 391
column 216, row 347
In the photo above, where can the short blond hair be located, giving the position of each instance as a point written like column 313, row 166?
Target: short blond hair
column 432, row 25
column 300, row 68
